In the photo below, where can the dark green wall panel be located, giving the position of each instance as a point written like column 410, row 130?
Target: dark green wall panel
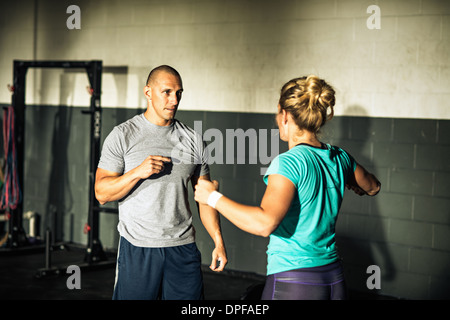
column 406, row 225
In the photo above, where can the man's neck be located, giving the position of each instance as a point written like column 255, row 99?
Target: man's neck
column 153, row 118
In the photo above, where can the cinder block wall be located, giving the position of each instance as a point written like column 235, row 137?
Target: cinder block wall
column 392, row 110
column 404, row 230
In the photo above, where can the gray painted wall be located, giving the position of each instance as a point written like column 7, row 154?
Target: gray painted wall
column 405, row 230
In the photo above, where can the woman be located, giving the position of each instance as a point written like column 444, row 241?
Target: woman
column 299, row 209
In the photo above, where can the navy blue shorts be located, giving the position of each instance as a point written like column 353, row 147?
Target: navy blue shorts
column 171, row 273
column 317, row 283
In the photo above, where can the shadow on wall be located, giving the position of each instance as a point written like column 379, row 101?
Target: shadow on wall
column 361, row 231
column 63, row 141
column 60, row 199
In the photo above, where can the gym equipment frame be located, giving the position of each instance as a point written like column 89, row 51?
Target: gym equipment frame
column 94, row 250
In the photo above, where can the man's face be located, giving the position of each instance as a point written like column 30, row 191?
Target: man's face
column 165, row 95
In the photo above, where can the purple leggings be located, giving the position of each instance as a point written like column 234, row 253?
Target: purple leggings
column 318, row 283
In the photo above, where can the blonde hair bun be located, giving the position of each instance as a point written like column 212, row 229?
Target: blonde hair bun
column 310, row 101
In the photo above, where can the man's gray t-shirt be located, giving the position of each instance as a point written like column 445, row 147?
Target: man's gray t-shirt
column 156, row 212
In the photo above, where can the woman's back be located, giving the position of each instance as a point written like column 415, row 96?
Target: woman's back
column 306, row 236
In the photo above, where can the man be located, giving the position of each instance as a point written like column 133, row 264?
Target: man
column 146, row 164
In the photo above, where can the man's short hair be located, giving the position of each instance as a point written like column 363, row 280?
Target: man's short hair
column 163, row 68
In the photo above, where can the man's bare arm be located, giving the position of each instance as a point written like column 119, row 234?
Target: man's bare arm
column 112, row 186
column 211, row 221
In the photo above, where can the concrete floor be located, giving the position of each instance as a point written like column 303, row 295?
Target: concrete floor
column 22, row 278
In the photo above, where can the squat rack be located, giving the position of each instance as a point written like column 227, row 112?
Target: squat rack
column 94, row 250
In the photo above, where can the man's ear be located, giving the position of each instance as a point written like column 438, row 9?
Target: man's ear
column 148, row 93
